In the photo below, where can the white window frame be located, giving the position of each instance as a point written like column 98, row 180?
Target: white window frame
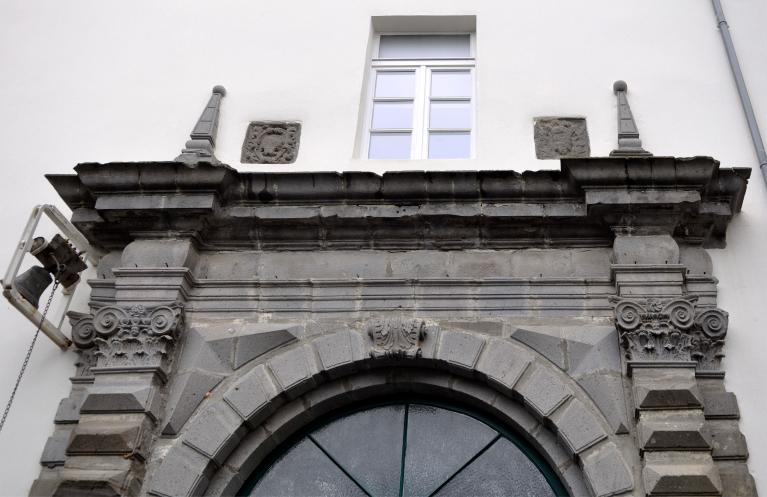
column 423, row 68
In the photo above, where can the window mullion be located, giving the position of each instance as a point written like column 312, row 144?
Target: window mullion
column 418, row 122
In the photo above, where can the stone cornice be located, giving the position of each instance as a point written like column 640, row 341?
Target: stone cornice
column 579, row 205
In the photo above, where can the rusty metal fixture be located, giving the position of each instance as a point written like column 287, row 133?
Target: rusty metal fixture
column 59, row 258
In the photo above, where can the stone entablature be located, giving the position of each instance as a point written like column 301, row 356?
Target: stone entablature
column 574, row 207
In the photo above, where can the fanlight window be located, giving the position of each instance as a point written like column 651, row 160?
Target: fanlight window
column 406, row 449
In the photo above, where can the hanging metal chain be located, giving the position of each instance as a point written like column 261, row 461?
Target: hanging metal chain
column 29, row 354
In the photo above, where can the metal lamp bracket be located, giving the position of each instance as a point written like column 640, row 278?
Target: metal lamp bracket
column 67, row 229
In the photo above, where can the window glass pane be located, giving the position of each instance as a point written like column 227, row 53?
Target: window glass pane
column 451, row 84
column 449, row 145
column 368, row 445
column 395, row 84
column 389, row 146
column 424, row 46
column 500, row 471
column 432, row 457
column 392, row 115
column 305, row 471
column 450, row 115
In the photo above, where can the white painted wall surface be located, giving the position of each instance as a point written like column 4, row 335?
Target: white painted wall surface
column 107, row 80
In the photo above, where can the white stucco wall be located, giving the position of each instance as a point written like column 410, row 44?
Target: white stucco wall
column 107, row 80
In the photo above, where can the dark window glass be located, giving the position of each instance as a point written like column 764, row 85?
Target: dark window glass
column 368, row 445
column 439, row 443
column 502, row 470
column 406, row 450
column 305, row 470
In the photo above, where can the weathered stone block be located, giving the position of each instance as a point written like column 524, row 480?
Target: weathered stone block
column 46, row 484
column 720, row 405
column 578, row 426
column 543, row 391
column 253, row 448
column 225, row 482
column 287, row 420
column 237, row 342
column 666, row 388
column 183, row 474
column 187, row 392
column 326, row 397
column 460, row 349
column 335, row 353
column 114, row 396
column 673, row 430
column 727, row 440
column 645, row 249
column 293, row 371
column 503, row 363
column 680, row 473
column 606, row 471
column 606, row 389
column 69, row 410
column 110, row 434
column 515, row 413
column 252, row 396
column 215, row 432
column 159, row 253
column 55, row 451
column 736, row 479
column 544, row 340
column 557, row 137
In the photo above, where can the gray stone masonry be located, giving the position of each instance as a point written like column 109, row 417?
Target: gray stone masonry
column 232, row 309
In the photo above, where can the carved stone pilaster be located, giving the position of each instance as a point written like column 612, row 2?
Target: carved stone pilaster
column 399, row 338
column 131, row 338
column 671, row 330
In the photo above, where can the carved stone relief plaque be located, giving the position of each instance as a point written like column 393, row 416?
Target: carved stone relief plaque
column 271, row 142
column 557, row 137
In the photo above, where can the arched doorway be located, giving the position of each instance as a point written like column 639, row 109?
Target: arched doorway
column 404, row 447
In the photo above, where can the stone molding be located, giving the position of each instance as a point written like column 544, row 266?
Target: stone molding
column 672, row 330
column 574, row 207
column 128, row 338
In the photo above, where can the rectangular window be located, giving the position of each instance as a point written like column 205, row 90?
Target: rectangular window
column 421, row 97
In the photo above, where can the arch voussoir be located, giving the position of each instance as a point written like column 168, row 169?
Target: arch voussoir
column 246, row 419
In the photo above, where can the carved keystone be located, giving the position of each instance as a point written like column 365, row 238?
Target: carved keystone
column 396, row 337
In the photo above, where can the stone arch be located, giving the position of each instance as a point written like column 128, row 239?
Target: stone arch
column 247, row 418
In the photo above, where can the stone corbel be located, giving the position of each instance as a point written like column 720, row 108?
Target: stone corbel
column 133, row 338
column 675, row 330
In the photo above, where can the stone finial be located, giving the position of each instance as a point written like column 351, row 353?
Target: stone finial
column 629, row 144
column 203, row 137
